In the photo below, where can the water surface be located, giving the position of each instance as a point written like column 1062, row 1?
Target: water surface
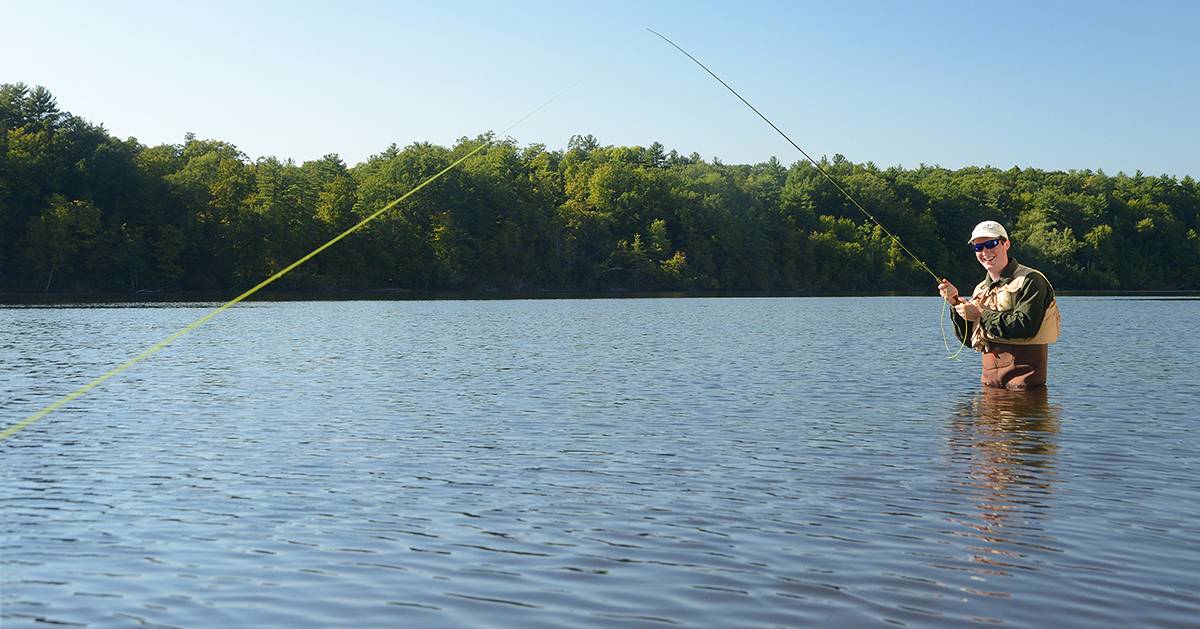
column 703, row 462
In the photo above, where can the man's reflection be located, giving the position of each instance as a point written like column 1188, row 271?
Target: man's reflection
column 1007, row 440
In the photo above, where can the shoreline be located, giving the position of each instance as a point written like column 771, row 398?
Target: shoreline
column 55, row 299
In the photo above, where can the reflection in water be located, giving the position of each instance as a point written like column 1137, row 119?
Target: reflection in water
column 548, row 463
column 1007, row 440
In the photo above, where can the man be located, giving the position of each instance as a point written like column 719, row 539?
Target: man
column 1011, row 317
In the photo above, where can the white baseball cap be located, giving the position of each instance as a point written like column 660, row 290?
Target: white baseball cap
column 988, row 229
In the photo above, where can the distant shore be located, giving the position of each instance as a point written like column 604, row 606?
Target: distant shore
column 54, row 299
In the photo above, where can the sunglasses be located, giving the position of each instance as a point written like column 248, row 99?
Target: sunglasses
column 991, row 244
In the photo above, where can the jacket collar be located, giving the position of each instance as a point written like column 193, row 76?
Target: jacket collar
column 1006, row 274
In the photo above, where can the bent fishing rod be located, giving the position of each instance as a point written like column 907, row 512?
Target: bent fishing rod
column 814, row 162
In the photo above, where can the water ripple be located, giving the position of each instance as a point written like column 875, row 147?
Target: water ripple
column 587, row 463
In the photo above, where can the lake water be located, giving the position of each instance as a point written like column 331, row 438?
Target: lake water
column 595, row 463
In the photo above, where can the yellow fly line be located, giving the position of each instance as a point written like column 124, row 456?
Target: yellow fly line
column 154, row 349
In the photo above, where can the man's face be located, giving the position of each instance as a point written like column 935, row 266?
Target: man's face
column 995, row 259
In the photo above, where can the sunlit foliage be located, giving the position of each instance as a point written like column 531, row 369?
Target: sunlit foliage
column 83, row 211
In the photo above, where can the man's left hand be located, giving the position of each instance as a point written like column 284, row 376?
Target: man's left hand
column 968, row 310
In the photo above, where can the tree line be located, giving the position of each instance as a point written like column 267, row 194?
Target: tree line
column 83, row 211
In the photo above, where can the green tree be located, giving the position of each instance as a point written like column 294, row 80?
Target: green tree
column 55, row 238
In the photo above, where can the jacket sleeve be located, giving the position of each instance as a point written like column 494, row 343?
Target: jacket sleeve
column 1025, row 317
column 962, row 327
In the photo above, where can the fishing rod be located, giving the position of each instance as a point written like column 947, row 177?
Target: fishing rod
column 833, row 181
column 804, row 153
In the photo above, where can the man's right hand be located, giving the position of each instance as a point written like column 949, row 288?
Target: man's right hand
column 949, row 292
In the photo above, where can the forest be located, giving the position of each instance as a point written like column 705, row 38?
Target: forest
column 84, row 212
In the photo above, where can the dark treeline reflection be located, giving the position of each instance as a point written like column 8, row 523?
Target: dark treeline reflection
column 81, row 210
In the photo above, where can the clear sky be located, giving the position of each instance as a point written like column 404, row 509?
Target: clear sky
column 1091, row 84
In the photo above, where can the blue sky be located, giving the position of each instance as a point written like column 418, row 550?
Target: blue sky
column 1053, row 85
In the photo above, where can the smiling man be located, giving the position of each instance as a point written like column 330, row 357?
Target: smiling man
column 1011, row 317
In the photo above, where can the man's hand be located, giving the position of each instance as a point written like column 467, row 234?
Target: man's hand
column 968, row 311
column 949, row 292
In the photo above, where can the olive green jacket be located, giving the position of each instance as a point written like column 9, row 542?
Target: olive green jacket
column 1022, row 318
